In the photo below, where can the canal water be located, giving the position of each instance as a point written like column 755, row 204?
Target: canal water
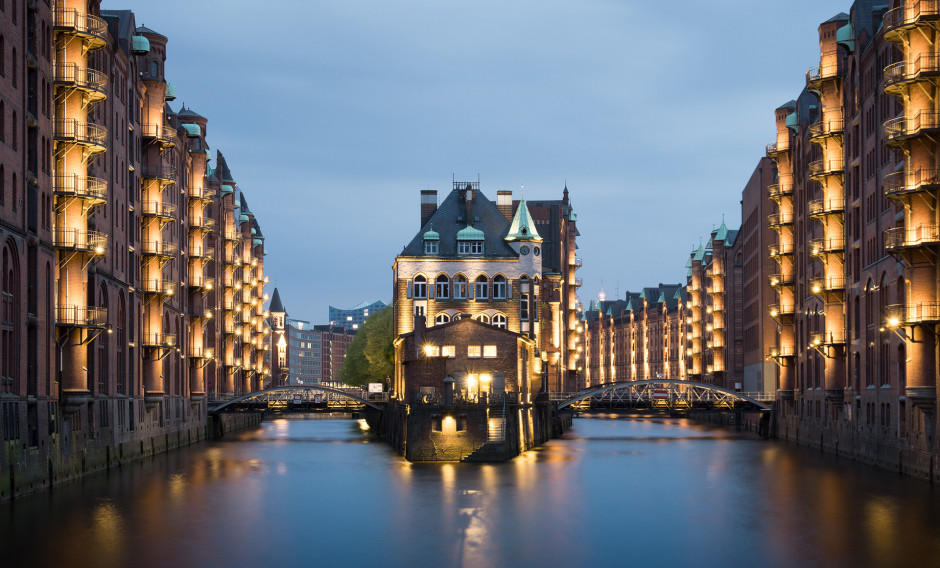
column 614, row 491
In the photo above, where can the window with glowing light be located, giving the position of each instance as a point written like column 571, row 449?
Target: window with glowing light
column 489, row 351
column 448, row 351
column 474, row 351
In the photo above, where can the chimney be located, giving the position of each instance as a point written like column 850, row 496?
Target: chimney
column 428, row 204
column 504, row 203
column 469, row 191
column 419, row 327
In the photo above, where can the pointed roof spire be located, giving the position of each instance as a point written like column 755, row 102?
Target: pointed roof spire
column 522, row 227
column 276, row 305
column 722, row 233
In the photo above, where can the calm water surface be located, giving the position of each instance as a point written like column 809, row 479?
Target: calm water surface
column 613, row 492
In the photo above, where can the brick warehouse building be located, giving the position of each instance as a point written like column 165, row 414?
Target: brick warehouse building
column 132, row 284
column 491, row 262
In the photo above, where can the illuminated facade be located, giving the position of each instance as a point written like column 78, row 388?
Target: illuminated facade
column 113, row 271
column 638, row 338
column 354, row 317
column 490, row 261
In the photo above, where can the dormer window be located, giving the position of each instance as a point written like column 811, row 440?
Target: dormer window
column 430, row 247
column 470, row 241
column 470, row 247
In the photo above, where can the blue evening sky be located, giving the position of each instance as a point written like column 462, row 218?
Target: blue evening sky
column 334, row 114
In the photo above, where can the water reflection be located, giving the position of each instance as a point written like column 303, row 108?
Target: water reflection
column 298, row 492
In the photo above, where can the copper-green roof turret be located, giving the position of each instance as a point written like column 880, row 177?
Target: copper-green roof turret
column 469, row 233
column 431, row 234
column 722, row 233
column 699, row 254
column 522, row 228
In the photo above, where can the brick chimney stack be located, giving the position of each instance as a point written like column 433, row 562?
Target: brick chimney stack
column 469, row 195
column 428, row 204
column 504, row 203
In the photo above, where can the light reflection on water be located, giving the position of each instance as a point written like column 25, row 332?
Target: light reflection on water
column 612, row 491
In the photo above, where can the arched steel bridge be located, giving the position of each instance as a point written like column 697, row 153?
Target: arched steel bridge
column 672, row 394
column 285, row 394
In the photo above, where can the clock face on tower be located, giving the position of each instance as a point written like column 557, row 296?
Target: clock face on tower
column 524, row 250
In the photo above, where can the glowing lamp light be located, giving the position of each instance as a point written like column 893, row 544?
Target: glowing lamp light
column 816, row 288
column 99, row 250
column 893, row 321
column 773, row 313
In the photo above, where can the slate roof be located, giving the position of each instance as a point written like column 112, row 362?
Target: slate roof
column 447, row 223
column 276, row 304
column 225, row 174
column 148, row 31
column 188, row 113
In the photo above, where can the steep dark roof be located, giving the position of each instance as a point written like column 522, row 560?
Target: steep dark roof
column 447, row 223
column 221, row 167
column 188, row 113
column 244, row 204
column 840, row 17
column 144, row 30
column 276, row 304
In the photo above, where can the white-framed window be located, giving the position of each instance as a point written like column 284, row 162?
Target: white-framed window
column 476, row 247
column 449, row 351
column 419, row 310
column 460, row 287
column 483, row 318
column 489, row 351
column 481, row 291
column 524, row 307
column 420, row 287
column 474, row 351
column 442, row 318
column 430, row 247
column 499, row 320
column 442, row 288
column 499, row 287
column 463, row 247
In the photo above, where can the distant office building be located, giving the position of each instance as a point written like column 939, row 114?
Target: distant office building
column 307, row 354
column 356, row 316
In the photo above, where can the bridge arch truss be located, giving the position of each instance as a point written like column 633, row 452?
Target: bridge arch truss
column 668, row 394
column 286, row 394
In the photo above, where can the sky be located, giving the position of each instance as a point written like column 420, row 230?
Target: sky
column 333, row 115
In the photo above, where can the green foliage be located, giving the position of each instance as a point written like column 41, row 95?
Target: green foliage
column 370, row 356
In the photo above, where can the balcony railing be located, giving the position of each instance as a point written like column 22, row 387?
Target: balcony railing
column 780, row 189
column 200, row 281
column 783, row 351
column 898, row 184
column 202, row 193
column 775, row 148
column 93, row 136
column 832, row 337
column 911, row 314
column 159, row 248
column 822, row 246
column 780, row 249
column 826, row 167
column 90, row 28
column 81, row 240
column 827, row 284
column 903, row 72
column 778, row 310
column 90, row 81
column 201, row 352
column 825, row 128
column 165, row 135
column 821, row 207
column 903, row 237
column 903, row 127
column 911, row 13
column 81, row 316
column 199, row 251
column 158, row 209
column 158, row 339
column 204, row 224
column 828, row 70
column 161, row 287
column 779, row 279
column 232, row 235
column 779, row 219
column 158, row 171
column 84, row 187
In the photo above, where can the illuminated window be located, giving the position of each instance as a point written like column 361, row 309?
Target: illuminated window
column 432, row 351
column 481, row 291
column 489, row 351
column 442, row 318
column 442, row 289
column 473, row 351
column 449, row 351
column 460, row 287
column 499, row 287
column 420, row 287
column 499, row 320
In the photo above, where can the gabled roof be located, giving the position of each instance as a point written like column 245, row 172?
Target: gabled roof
column 522, row 227
column 722, row 233
column 188, row 113
column 699, row 254
column 148, row 31
column 449, row 219
column 225, row 174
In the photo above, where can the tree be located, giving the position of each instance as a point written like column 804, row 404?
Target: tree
column 370, row 357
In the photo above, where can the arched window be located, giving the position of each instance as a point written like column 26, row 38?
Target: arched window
column 482, row 288
column 499, row 320
column 121, row 361
column 442, row 288
column 524, row 284
column 3, row 122
column 3, row 184
column 482, row 318
column 103, row 355
column 420, row 287
column 154, row 70
column 499, row 287
column 3, row 57
column 460, row 287
column 9, row 319
column 442, row 318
